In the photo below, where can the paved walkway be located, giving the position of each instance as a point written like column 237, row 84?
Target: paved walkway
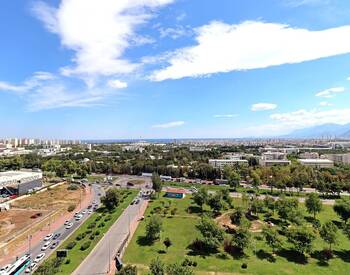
column 39, row 235
column 101, row 258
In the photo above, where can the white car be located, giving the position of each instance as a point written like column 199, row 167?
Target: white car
column 39, row 257
column 31, row 268
column 89, row 211
column 68, row 226
column 78, row 217
column 48, row 237
column 66, row 222
column 83, row 212
column 45, row 246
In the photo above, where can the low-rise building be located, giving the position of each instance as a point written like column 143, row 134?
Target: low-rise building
column 317, row 163
column 221, row 163
column 274, row 162
column 338, row 158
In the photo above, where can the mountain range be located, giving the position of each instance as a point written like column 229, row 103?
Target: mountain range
column 322, row 131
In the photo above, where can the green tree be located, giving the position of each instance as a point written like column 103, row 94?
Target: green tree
column 177, row 269
column 212, row 234
column 237, row 216
column 272, row 238
column 111, row 199
column 328, row 233
column 128, row 270
column 154, row 227
column 167, row 243
column 201, row 197
column 256, row 180
column 301, row 238
column 157, row 267
column 241, row 238
column 347, row 231
column 156, row 183
column 215, row 202
column 313, row 204
column 342, row 208
column 285, row 206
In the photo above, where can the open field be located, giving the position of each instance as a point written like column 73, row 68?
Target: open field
column 181, row 229
column 102, row 222
column 33, row 213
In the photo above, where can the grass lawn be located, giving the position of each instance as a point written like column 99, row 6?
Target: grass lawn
column 76, row 255
column 181, row 229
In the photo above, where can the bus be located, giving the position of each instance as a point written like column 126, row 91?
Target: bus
column 20, row 265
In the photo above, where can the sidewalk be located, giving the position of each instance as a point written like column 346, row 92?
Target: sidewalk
column 39, row 235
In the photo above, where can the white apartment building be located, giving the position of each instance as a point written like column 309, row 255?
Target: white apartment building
column 309, row 155
column 221, row 163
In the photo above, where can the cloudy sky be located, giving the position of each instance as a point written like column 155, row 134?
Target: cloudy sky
column 172, row 68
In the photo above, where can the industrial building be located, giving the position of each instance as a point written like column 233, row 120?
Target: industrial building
column 19, row 182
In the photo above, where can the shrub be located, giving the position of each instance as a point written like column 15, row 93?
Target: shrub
column 67, row 261
column 244, row 266
column 88, row 231
column 97, row 232
column 71, row 245
column 73, row 187
column 102, row 224
column 98, row 218
column 107, row 218
column 85, row 245
column 71, row 208
column 80, row 236
column 92, row 237
column 91, row 225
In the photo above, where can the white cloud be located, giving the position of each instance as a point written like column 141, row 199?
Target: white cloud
column 45, row 91
column 222, row 47
column 226, row 116
column 176, row 32
column 169, row 124
column 348, row 78
column 298, row 3
column 117, row 84
column 263, row 107
column 325, row 103
column 98, row 31
column 331, row 92
column 303, row 118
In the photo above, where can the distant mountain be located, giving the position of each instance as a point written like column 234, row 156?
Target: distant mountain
column 322, row 131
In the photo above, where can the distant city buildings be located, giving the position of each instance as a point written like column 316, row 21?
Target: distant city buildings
column 221, row 163
column 317, row 163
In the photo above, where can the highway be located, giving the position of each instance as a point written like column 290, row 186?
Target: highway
column 64, row 233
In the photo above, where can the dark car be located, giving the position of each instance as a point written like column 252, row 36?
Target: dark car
column 56, row 236
column 54, row 245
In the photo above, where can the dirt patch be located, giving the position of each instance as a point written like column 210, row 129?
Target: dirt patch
column 225, row 221
column 136, row 182
column 14, row 221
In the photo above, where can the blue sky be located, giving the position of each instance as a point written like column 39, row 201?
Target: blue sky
column 172, row 68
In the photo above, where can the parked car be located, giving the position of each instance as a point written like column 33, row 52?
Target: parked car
column 54, row 244
column 66, row 222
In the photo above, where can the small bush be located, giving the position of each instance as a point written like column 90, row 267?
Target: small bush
column 67, row 261
column 71, row 208
column 80, row 236
column 71, row 245
column 85, row 245
column 92, row 237
column 73, row 187
column 98, row 218
column 97, row 232
column 102, row 224
column 107, row 218
column 91, row 225
column 87, row 232
column 244, row 266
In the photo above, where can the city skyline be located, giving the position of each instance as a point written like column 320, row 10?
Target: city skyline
column 172, row 68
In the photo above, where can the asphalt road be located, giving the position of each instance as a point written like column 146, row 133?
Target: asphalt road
column 65, row 233
column 101, row 257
